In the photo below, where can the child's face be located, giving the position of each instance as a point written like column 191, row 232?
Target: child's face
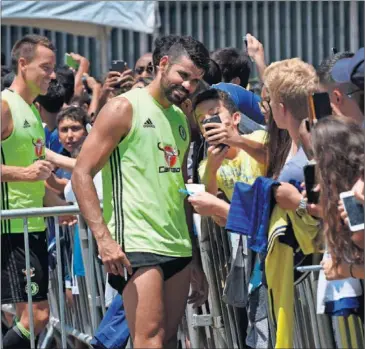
column 71, row 134
column 211, row 107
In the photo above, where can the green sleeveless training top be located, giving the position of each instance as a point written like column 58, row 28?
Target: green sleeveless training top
column 22, row 148
column 142, row 204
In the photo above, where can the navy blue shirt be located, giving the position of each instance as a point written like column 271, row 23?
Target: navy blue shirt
column 52, row 140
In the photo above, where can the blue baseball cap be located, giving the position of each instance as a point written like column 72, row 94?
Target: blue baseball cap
column 350, row 69
column 246, row 101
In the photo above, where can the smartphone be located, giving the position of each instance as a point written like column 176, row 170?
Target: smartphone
column 319, row 107
column 214, row 119
column 310, row 182
column 354, row 210
column 119, row 66
column 334, row 50
column 70, row 62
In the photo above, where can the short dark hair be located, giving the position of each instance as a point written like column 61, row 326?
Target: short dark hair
column 176, row 46
column 214, row 74
column 26, row 47
column 233, row 64
column 54, row 99
column 219, row 95
column 7, row 80
column 6, row 73
column 73, row 113
column 193, row 49
column 325, row 68
column 66, row 78
column 162, row 45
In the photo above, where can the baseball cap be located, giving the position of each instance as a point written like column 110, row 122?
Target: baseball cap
column 246, row 101
column 350, row 69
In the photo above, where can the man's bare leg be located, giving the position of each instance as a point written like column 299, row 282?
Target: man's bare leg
column 176, row 292
column 144, row 307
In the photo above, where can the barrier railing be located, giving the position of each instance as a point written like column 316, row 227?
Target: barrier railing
column 80, row 319
column 220, row 325
column 217, row 324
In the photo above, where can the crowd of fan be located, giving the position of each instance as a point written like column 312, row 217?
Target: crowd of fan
column 252, row 162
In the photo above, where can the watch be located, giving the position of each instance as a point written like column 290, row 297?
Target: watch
column 302, row 208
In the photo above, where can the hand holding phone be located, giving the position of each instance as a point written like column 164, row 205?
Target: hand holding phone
column 214, row 119
column 354, row 210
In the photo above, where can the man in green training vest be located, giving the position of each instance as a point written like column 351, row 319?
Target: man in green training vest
column 23, row 174
column 140, row 141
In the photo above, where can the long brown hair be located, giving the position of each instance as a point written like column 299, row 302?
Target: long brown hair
column 277, row 141
column 278, row 144
column 338, row 146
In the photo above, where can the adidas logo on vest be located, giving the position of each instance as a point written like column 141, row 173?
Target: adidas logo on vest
column 26, row 124
column 148, row 123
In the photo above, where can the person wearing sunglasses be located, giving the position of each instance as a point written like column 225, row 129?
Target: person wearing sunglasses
column 144, row 67
column 347, row 88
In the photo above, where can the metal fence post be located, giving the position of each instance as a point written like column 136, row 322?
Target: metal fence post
column 60, row 283
column 92, row 281
column 29, row 285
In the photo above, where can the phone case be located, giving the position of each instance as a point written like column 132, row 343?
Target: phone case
column 215, row 119
column 310, row 183
column 69, row 61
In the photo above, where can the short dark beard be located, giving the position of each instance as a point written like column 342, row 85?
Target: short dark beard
column 168, row 89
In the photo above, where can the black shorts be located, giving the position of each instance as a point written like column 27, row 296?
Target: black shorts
column 13, row 271
column 170, row 266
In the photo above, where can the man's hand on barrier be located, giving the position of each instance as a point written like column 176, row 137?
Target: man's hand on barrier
column 113, row 257
column 199, row 286
column 67, row 220
column 39, row 171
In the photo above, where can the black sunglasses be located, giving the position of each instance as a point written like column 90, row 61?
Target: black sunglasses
column 148, row 69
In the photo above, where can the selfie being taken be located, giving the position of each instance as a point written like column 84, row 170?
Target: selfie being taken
column 182, row 174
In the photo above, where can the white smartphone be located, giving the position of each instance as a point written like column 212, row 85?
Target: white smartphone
column 354, row 210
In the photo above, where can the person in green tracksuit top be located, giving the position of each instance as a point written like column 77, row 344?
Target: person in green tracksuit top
column 140, row 142
column 24, row 170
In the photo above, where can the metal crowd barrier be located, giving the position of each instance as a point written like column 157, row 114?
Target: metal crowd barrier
column 80, row 320
column 215, row 325
column 219, row 325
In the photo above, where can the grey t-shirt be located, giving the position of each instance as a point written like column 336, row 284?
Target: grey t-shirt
column 293, row 169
